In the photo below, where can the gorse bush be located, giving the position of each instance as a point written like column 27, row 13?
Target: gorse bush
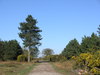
column 89, row 62
column 95, row 63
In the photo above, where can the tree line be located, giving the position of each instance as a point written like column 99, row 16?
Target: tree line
column 88, row 44
column 9, row 50
column 85, row 54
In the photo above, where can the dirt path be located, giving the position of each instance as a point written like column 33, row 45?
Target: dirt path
column 44, row 69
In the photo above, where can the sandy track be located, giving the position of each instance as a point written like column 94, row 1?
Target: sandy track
column 44, row 69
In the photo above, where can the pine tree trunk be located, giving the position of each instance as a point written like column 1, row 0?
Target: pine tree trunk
column 29, row 55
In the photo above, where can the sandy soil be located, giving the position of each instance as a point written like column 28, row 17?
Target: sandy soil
column 44, row 69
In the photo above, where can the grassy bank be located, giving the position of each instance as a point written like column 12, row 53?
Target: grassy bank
column 15, row 68
column 66, row 68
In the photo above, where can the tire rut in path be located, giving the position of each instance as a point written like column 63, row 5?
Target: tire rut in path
column 44, row 69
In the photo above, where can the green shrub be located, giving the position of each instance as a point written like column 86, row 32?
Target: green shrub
column 21, row 58
column 55, row 58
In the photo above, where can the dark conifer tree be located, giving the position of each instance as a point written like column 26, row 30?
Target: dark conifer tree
column 72, row 49
column 99, row 30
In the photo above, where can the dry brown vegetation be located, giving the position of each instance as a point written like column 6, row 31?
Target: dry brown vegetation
column 15, row 68
column 65, row 67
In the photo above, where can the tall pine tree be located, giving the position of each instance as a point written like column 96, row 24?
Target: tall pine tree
column 30, row 34
column 99, row 30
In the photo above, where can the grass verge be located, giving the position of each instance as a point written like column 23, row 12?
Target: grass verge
column 65, row 68
column 16, row 68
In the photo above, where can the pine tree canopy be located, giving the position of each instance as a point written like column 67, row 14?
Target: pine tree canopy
column 30, row 32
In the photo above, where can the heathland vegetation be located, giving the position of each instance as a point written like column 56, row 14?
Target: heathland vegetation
column 76, row 58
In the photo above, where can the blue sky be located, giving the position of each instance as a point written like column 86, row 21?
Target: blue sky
column 60, row 20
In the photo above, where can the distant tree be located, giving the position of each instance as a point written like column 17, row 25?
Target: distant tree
column 90, row 43
column 99, row 30
column 72, row 49
column 30, row 34
column 34, row 52
column 47, row 52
